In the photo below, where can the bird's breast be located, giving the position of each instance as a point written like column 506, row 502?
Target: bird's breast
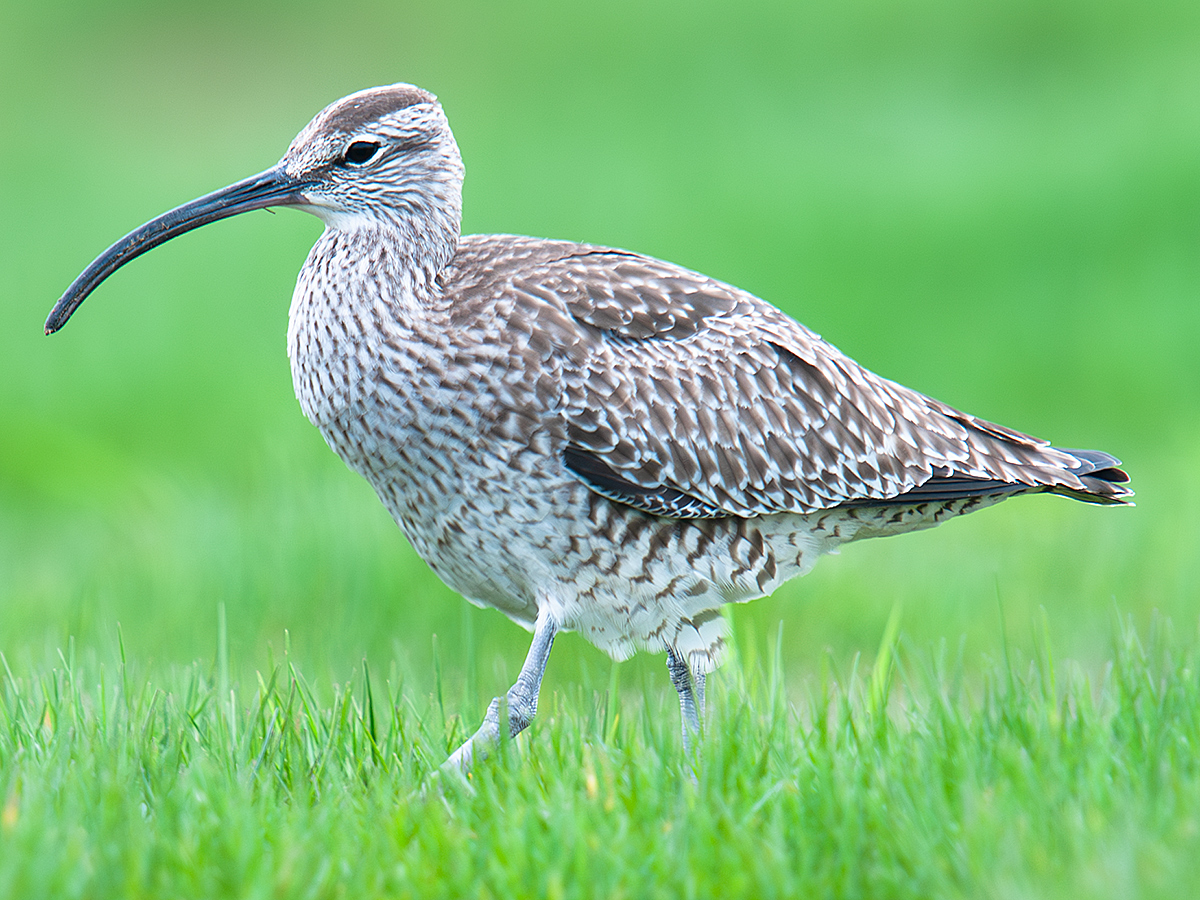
column 330, row 356
column 348, row 301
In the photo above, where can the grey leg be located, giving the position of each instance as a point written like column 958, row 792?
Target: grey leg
column 521, row 701
column 691, row 696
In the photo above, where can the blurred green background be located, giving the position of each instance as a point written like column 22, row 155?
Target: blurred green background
column 996, row 203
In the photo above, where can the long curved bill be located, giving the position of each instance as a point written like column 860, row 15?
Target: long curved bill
column 274, row 187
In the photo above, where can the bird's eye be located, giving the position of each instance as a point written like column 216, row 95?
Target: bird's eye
column 360, row 152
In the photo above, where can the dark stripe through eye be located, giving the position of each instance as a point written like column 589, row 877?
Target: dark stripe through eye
column 361, row 151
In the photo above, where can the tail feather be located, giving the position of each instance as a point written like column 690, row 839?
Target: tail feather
column 1095, row 477
column 1101, row 474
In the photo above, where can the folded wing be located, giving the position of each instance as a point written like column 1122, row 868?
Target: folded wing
column 694, row 399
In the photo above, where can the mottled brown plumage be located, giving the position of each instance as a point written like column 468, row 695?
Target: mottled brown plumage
column 582, row 437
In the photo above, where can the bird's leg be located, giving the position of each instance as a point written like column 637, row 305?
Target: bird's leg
column 691, row 696
column 520, row 701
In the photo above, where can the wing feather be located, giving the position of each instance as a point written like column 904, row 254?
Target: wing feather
column 687, row 397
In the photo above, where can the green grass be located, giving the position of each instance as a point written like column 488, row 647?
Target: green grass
column 904, row 781
column 997, row 203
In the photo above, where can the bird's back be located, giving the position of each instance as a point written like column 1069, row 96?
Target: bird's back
column 687, row 397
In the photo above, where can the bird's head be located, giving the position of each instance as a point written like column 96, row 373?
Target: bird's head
column 381, row 158
column 377, row 156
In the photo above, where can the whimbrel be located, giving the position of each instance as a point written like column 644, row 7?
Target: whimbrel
column 581, row 437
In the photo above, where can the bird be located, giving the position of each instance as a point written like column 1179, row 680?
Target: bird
column 582, row 437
